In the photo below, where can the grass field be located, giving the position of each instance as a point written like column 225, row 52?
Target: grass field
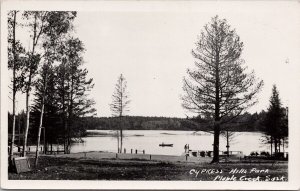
column 52, row 168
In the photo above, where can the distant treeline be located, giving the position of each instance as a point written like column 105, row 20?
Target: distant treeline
column 244, row 123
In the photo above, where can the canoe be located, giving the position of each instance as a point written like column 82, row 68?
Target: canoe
column 165, row 145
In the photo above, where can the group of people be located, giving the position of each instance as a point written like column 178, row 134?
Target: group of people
column 186, row 148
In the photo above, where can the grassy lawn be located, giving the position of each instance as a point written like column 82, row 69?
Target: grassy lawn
column 51, row 168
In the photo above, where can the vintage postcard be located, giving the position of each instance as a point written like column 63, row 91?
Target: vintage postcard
column 150, row 94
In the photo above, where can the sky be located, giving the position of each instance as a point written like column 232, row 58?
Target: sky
column 150, row 43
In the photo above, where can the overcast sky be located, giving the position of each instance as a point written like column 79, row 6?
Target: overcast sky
column 150, row 43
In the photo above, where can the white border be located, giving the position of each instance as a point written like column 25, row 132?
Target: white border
column 188, row 6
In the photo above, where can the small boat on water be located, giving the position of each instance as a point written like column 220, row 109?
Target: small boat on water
column 165, row 145
column 138, row 135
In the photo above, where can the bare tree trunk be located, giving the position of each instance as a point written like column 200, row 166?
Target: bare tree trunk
column 69, row 123
column 45, row 145
column 66, row 137
column 217, row 113
column 271, row 145
column 19, row 138
column 275, row 146
column 39, row 136
column 279, row 143
column 41, row 122
column 118, row 141
column 227, row 146
column 28, row 86
column 216, row 142
column 27, row 124
column 70, row 109
column 121, row 140
column 64, row 112
column 11, row 152
column 282, row 144
column 121, row 133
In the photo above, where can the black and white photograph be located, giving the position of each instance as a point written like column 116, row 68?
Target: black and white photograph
column 150, row 94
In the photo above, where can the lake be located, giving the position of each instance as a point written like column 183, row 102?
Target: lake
column 149, row 141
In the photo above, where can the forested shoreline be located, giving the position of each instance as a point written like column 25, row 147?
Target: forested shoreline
column 52, row 76
column 245, row 123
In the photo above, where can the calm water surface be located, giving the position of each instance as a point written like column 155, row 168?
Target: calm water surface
column 149, row 141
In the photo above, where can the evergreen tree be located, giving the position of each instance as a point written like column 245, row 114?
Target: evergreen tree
column 119, row 105
column 73, row 87
column 62, row 85
column 60, row 23
column 219, row 88
column 275, row 122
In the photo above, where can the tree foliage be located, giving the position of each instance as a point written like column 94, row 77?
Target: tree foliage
column 15, row 61
column 119, row 106
column 120, row 99
column 67, row 93
column 16, row 51
column 219, row 87
column 52, row 66
column 276, row 121
column 244, row 123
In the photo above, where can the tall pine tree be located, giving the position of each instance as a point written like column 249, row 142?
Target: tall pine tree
column 276, row 121
column 219, row 88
